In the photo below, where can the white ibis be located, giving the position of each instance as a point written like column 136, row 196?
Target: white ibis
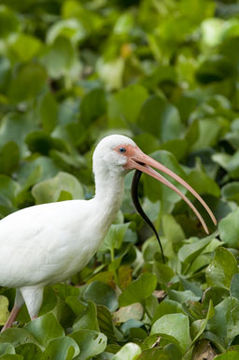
column 48, row 243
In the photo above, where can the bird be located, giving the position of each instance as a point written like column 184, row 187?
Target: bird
column 48, row 243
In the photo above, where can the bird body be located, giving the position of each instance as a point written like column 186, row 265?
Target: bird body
column 48, row 243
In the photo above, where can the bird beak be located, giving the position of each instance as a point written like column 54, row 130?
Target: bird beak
column 144, row 163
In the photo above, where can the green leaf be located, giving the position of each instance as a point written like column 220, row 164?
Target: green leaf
column 9, row 157
column 87, row 318
column 45, row 328
column 104, row 317
column 50, row 190
column 154, row 190
column 17, row 336
column 101, row 294
column 167, row 307
column 124, row 107
column 6, row 348
column 202, row 183
column 222, row 268
column 29, row 351
column 225, row 323
column 62, row 348
column 125, row 313
column 176, row 327
column 8, row 22
column 138, row 290
column 234, row 288
column 30, row 77
column 204, row 322
column 25, row 47
column 12, row 357
column 4, row 313
column 172, row 230
column 229, row 229
column 163, row 272
column 93, row 105
column 59, row 57
column 71, row 29
column 230, row 191
column 189, row 252
column 14, row 128
column 129, row 351
column 229, row 355
column 48, row 112
column 91, row 343
column 114, row 237
column 215, row 68
column 160, row 118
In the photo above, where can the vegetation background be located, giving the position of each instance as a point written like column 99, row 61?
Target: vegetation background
column 165, row 73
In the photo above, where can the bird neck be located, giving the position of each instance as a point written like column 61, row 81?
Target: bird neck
column 109, row 189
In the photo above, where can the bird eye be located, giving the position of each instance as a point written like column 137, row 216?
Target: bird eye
column 122, row 150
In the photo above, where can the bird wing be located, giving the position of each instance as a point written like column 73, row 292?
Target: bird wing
column 39, row 243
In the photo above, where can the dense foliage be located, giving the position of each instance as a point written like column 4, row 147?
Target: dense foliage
column 164, row 72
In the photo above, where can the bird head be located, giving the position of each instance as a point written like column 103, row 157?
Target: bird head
column 118, row 154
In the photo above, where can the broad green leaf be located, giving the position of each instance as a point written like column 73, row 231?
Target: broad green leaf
column 189, row 252
column 111, row 74
column 229, row 229
column 231, row 191
column 61, row 348
column 225, row 323
column 171, row 352
column 106, row 326
column 93, row 105
column 167, row 306
column 229, row 355
column 202, row 183
column 90, row 342
column 29, row 351
column 48, row 111
column 114, row 237
column 163, row 272
column 45, row 328
column 183, row 296
column 87, row 317
column 71, row 29
column 40, row 142
column 8, row 21
column 129, row 351
column 176, row 326
column 203, row 323
column 25, row 47
column 138, row 290
column 222, row 268
column 50, row 190
column 14, row 128
column 30, row 77
column 17, row 336
column 6, row 348
column 124, row 107
column 4, row 313
column 154, row 190
column 172, row 230
column 12, row 357
column 59, row 57
column 125, row 313
column 234, row 288
column 160, row 118
column 215, row 68
column 9, row 158
column 101, row 294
